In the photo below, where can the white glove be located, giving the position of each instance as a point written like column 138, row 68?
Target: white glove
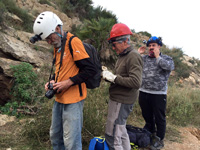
column 107, row 75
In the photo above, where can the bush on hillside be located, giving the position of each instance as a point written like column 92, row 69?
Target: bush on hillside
column 27, row 91
column 183, row 106
column 182, row 70
column 44, row 2
column 27, row 19
column 2, row 12
column 25, row 78
column 145, row 33
column 96, row 30
column 36, row 131
column 74, row 7
column 99, row 12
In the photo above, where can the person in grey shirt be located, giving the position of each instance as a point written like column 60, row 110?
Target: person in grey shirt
column 153, row 91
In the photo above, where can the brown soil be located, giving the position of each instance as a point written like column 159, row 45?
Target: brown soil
column 189, row 138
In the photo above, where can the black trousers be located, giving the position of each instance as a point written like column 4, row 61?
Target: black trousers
column 153, row 108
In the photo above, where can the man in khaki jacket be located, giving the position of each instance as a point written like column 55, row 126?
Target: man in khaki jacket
column 124, row 88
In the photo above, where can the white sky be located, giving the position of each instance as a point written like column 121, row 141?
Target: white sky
column 176, row 21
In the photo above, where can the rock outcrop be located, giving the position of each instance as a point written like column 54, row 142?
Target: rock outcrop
column 13, row 51
column 16, row 48
column 35, row 8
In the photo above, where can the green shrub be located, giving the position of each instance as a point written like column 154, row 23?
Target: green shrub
column 145, row 33
column 134, row 39
column 183, row 105
column 192, row 61
column 95, row 110
column 27, row 91
column 97, row 30
column 74, row 7
column 44, row 2
column 133, row 30
column 36, row 130
column 2, row 12
column 25, row 79
column 99, row 12
column 83, row 9
column 182, row 70
column 27, row 19
column 10, row 108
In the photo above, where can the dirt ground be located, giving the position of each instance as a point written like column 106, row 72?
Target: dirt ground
column 189, row 136
column 190, row 140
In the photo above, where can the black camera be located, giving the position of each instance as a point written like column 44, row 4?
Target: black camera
column 50, row 93
column 35, row 38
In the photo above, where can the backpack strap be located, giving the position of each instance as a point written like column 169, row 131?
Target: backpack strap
column 62, row 53
column 71, row 51
column 70, row 46
column 61, row 57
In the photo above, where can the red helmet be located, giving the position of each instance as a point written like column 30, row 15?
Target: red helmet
column 119, row 29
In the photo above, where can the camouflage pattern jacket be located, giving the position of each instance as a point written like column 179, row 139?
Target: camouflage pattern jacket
column 156, row 72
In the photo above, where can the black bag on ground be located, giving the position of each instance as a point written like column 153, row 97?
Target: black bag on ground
column 94, row 81
column 139, row 136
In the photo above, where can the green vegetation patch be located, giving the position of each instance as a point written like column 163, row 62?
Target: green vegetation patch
column 10, row 6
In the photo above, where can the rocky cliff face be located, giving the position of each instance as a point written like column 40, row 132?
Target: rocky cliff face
column 16, row 48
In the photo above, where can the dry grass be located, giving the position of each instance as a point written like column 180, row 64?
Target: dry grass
column 182, row 109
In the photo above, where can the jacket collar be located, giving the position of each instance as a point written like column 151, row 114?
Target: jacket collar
column 126, row 51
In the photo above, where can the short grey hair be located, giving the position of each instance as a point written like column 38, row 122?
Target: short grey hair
column 123, row 37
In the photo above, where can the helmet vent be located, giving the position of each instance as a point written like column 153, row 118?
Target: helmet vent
column 39, row 22
column 41, row 17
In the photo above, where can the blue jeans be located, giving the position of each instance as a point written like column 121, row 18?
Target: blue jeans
column 66, row 126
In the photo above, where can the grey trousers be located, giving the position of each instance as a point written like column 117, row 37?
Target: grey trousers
column 116, row 134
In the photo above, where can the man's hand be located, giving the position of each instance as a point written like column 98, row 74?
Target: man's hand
column 142, row 49
column 46, row 85
column 156, row 52
column 107, row 75
column 63, row 85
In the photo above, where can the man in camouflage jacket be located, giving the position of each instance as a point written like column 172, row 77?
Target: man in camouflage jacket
column 153, row 92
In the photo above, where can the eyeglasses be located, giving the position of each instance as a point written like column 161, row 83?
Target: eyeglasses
column 117, row 41
column 114, row 40
column 114, row 44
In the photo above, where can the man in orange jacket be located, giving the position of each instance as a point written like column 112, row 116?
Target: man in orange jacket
column 67, row 113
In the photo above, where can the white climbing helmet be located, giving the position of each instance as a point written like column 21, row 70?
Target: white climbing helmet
column 46, row 23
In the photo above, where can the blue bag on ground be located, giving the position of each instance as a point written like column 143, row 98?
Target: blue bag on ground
column 139, row 136
column 98, row 143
